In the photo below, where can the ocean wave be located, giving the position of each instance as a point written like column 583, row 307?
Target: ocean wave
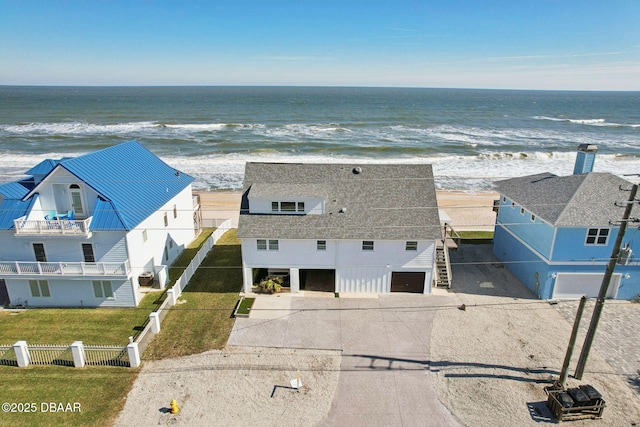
column 198, row 127
column 459, row 172
column 588, row 122
column 75, row 128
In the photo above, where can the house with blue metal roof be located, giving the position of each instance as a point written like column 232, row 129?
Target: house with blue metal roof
column 556, row 233
column 91, row 230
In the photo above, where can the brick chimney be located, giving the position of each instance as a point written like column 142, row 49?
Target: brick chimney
column 585, row 159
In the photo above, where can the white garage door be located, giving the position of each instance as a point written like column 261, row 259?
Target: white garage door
column 574, row 285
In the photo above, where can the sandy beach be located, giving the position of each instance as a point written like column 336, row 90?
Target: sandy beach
column 467, row 210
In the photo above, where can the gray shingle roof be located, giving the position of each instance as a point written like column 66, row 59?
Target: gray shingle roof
column 584, row 200
column 382, row 202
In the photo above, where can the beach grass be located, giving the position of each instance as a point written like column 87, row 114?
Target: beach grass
column 89, row 396
column 202, row 319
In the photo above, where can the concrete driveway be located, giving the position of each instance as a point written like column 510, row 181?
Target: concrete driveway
column 384, row 375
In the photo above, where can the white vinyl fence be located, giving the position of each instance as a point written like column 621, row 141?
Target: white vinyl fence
column 156, row 318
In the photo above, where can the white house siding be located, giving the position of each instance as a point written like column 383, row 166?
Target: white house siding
column 71, row 293
column 262, row 205
column 107, row 247
column 149, row 255
column 56, row 195
column 356, row 270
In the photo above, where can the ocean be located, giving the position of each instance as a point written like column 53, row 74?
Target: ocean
column 471, row 137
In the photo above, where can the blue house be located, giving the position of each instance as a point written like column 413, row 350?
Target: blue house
column 556, row 233
column 91, row 230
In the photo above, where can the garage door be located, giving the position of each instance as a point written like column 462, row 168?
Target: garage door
column 574, row 285
column 407, row 282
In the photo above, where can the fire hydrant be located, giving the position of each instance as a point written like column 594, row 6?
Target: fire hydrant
column 174, row 407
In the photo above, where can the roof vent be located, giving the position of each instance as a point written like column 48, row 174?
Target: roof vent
column 342, row 210
column 357, row 170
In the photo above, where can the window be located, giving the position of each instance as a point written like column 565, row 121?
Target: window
column 144, row 235
column 102, row 289
column 39, row 288
column 411, row 246
column 513, row 205
column 87, row 252
column 597, row 236
column 264, row 244
column 175, row 211
column 166, row 220
column 533, row 218
column 287, row 206
column 38, row 251
column 321, row 245
column 367, row 245
column 521, row 211
column 504, row 199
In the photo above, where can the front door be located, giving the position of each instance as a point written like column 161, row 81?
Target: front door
column 4, row 293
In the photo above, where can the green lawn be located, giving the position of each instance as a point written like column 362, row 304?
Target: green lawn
column 97, row 326
column 202, row 320
column 473, row 235
column 99, row 391
column 94, row 326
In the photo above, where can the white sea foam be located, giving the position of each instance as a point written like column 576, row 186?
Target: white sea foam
column 198, row 127
column 460, row 172
column 588, row 122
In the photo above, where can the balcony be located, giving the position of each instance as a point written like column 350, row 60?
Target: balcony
column 34, row 268
column 52, row 227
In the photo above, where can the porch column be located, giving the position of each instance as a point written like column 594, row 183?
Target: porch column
column 294, row 279
column 247, row 278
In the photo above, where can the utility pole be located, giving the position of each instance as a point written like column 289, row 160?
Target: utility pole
column 606, row 280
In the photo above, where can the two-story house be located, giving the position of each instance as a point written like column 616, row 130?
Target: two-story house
column 85, row 231
column 556, row 233
column 342, row 228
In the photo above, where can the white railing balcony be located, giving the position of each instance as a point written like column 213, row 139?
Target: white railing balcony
column 35, row 268
column 52, row 227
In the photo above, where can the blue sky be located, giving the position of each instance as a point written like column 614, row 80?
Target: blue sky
column 511, row 44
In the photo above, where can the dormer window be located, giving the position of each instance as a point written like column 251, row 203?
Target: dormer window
column 287, row 207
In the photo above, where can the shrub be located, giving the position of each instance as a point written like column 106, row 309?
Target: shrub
column 271, row 285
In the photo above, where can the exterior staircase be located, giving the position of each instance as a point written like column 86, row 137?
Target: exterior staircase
column 443, row 267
